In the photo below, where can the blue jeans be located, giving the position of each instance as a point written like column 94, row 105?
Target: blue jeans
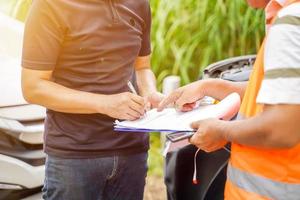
column 106, row 178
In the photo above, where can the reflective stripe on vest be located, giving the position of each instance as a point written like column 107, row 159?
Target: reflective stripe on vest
column 263, row 186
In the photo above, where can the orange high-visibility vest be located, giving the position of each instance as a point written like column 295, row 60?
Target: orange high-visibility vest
column 256, row 173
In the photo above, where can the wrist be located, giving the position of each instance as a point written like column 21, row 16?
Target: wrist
column 216, row 88
column 202, row 87
column 224, row 130
column 100, row 103
column 148, row 93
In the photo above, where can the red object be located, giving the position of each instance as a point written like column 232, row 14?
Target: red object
column 195, row 181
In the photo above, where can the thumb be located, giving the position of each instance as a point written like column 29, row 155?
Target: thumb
column 188, row 107
column 147, row 104
column 195, row 125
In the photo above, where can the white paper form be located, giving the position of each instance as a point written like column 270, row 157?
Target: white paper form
column 170, row 120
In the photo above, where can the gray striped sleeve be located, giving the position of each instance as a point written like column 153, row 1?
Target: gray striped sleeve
column 281, row 84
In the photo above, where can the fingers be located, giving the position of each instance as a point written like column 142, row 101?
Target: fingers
column 195, row 125
column 131, row 117
column 148, row 106
column 177, row 98
column 137, row 104
column 198, row 140
column 188, row 107
column 182, row 102
column 205, row 142
column 136, row 111
column 129, row 106
column 169, row 100
column 137, row 99
column 155, row 98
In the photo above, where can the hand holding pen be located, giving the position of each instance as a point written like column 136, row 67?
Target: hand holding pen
column 124, row 106
column 132, row 89
column 152, row 100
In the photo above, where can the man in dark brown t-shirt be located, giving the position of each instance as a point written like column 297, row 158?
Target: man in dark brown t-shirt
column 77, row 59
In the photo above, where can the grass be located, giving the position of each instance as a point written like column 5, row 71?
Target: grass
column 15, row 8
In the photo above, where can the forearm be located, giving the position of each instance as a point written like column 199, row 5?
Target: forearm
column 274, row 128
column 219, row 89
column 146, row 82
column 62, row 99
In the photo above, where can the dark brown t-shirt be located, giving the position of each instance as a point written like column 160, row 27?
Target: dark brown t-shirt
column 91, row 46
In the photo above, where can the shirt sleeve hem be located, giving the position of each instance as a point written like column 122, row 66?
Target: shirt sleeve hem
column 145, row 53
column 273, row 100
column 37, row 65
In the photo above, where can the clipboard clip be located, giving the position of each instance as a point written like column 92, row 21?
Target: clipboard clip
column 179, row 135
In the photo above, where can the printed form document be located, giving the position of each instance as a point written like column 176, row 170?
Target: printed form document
column 170, row 120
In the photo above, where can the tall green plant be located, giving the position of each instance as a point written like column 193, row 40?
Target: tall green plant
column 15, row 8
column 187, row 35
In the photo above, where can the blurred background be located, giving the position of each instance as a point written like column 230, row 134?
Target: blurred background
column 187, row 35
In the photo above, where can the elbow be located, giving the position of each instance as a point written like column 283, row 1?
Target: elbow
column 29, row 93
column 27, row 96
column 33, row 85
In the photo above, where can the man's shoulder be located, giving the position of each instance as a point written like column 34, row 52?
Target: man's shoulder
column 288, row 19
column 142, row 7
column 47, row 6
column 291, row 10
column 53, row 5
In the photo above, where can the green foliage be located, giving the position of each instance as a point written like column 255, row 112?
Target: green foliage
column 15, row 8
column 187, row 35
column 155, row 160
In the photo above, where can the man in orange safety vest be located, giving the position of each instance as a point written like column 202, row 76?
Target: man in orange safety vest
column 265, row 151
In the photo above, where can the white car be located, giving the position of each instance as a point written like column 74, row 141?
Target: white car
column 21, row 124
